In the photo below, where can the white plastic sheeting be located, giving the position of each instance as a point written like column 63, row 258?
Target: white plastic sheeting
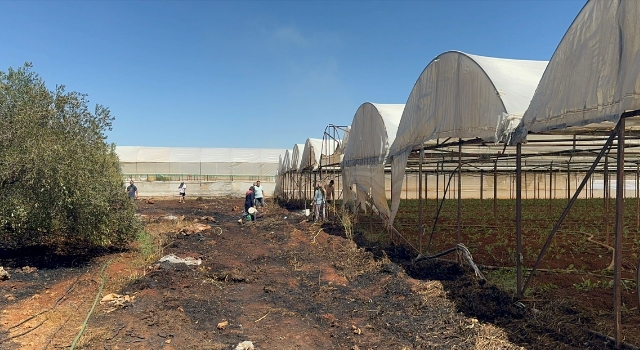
column 278, row 187
column 373, row 129
column 311, row 154
column 594, row 74
column 296, row 156
column 202, row 161
column 286, row 162
column 462, row 96
column 315, row 149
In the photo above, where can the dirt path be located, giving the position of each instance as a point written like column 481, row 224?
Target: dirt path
column 280, row 283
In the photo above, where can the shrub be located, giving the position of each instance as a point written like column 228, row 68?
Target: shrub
column 59, row 180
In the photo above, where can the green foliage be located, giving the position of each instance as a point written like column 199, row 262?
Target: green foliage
column 505, row 279
column 587, row 284
column 146, row 245
column 59, row 180
column 546, row 288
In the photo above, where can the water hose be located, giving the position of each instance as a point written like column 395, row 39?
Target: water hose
column 95, row 302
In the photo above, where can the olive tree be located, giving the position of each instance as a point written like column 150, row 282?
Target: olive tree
column 59, row 179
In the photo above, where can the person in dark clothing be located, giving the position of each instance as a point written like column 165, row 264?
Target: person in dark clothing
column 132, row 190
column 249, row 198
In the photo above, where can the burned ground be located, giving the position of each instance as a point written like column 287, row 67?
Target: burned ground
column 280, row 282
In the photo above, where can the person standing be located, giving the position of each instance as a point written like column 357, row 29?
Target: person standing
column 318, row 203
column 249, row 199
column 259, row 193
column 182, row 189
column 132, row 190
column 331, row 192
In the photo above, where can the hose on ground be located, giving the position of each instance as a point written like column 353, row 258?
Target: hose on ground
column 95, row 302
column 464, row 251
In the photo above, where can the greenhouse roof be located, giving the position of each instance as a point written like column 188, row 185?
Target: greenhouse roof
column 467, row 96
column 373, row 129
column 296, row 156
column 594, row 74
column 141, row 154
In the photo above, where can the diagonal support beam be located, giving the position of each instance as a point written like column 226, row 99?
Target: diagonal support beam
column 568, row 207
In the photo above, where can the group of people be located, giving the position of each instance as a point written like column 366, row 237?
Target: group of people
column 132, row 191
column 253, row 198
column 322, row 196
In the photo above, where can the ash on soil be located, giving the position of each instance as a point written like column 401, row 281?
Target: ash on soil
column 289, row 284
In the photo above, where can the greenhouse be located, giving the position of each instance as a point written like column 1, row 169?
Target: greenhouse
column 373, row 129
column 523, row 142
column 462, row 96
column 206, row 171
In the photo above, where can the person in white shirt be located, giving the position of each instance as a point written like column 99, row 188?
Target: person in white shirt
column 318, row 203
column 182, row 190
column 259, row 193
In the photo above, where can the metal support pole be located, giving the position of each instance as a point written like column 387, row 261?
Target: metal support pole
column 617, row 255
column 495, row 189
column 535, row 185
column 426, row 191
column 437, row 182
column 556, row 227
column 637, row 196
column 550, row 184
column 568, row 180
column 481, row 184
column 511, row 186
column 420, row 230
column 406, row 185
column 606, row 199
column 459, row 239
column 526, row 190
column 592, row 181
column 519, row 218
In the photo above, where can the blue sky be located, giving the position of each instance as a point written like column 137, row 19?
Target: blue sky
column 259, row 74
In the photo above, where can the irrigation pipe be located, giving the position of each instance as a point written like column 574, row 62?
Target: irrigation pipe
column 623, row 345
column 568, row 271
column 316, row 235
column 461, row 247
column 613, row 251
column 95, row 302
column 465, row 253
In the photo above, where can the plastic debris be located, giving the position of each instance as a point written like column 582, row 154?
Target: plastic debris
column 4, row 275
column 195, row 228
column 116, row 301
column 245, row 345
column 171, row 258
